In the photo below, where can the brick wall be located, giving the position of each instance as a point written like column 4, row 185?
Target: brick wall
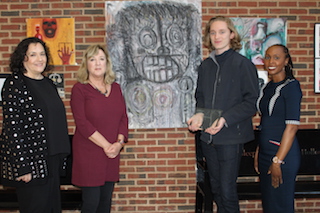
column 157, row 169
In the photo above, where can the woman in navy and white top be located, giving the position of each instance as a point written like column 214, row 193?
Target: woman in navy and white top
column 278, row 155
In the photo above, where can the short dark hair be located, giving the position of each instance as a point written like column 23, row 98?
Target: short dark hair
column 19, row 55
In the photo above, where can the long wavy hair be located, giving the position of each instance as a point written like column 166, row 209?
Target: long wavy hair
column 83, row 73
column 234, row 43
column 20, row 55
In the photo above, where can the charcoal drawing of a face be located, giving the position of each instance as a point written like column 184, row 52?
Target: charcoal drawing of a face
column 156, row 48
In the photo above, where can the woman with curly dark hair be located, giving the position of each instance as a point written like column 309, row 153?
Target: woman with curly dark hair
column 34, row 140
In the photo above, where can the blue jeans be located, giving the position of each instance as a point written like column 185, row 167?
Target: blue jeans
column 223, row 167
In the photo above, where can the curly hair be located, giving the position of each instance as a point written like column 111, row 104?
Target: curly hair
column 20, row 55
column 83, row 73
column 234, row 43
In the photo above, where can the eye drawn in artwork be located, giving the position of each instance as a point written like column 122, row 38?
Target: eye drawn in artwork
column 258, row 34
column 155, row 49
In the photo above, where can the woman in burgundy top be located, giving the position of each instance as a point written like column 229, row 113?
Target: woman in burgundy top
column 101, row 121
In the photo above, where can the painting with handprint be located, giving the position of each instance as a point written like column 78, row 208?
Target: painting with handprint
column 58, row 34
column 155, row 48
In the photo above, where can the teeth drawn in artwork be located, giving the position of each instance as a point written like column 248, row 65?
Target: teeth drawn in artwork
column 154, row 45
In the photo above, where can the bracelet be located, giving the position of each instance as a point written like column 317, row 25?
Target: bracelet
column 275, row 159
column 121, row 142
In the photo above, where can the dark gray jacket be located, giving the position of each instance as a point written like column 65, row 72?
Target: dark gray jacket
column 236, row 90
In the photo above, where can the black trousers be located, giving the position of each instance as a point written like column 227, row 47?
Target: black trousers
column 223, row 163
column 97, row 199
column 44, row 198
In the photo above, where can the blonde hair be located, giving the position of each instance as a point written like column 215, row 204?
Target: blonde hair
column 83, row 73
column 234, row 43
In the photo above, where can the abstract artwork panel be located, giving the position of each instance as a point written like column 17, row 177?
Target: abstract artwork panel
column 155, row 49
column 58, row 34
column 258, row 34
column 317, row 58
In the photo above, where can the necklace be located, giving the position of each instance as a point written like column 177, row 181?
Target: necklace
column 94, row 86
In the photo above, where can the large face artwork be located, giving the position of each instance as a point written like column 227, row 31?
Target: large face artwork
column 159, row 47
column 49, row 26
column 155, row 49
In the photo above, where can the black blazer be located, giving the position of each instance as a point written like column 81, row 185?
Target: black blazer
column 23, row 145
